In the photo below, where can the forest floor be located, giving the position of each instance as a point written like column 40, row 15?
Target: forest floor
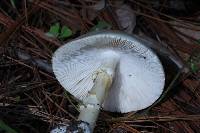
column 32, row 100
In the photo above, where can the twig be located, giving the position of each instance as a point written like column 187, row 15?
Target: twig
column 21, row 63
column 59, row 106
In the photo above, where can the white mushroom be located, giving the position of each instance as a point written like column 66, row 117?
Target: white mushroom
column 110, row 70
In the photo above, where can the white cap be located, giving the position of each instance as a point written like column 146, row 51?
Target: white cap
column 139, row 76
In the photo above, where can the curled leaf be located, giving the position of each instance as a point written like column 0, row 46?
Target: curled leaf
column 126, row 18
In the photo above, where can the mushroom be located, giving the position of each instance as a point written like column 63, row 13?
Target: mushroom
column 109, row 70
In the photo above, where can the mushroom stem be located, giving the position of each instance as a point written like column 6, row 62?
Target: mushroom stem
column 90, row 110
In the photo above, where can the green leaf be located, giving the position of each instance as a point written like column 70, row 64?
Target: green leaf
column 17, row 99
column 198, row 41
column 6, row 128
column 54, row 30
column 13, row 3
column 65, row 32
column 194, row 67
column 101, row 25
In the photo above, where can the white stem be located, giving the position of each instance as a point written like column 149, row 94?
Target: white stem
column 91, row 108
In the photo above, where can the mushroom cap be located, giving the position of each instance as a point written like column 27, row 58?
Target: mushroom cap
column 139, row 76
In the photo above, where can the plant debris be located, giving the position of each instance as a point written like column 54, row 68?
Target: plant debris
column 31, row 99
